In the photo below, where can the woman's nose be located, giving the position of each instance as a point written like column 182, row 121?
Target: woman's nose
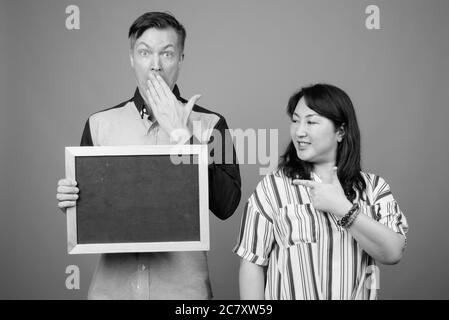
column 300, row 131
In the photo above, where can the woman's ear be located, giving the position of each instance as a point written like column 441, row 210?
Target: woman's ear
column 341, row 133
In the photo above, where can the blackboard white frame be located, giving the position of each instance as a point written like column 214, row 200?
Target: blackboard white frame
column 200, row 150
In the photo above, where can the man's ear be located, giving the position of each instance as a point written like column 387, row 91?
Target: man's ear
column 181, row 59
column 131, row 58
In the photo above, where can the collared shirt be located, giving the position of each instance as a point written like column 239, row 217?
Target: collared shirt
column 161, row 275
column 309, row 256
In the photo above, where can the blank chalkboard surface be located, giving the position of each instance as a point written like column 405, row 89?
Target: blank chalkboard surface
column 136, row 198
column 132, row 197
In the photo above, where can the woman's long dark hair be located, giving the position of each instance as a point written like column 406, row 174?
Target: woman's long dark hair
column 335, row 105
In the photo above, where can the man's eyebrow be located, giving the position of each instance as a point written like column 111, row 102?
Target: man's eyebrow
column 168, row 46
column 139, row 43
column 163, row 48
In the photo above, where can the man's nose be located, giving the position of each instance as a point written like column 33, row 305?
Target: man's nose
column 155, row 64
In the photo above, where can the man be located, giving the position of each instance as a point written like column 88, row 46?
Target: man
column 158, row 115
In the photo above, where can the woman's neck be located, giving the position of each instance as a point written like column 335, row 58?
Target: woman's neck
column 324, row 170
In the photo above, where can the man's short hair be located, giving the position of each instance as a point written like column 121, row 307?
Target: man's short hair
column 157, row 20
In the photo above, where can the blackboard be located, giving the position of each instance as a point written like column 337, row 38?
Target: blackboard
column 137, row 199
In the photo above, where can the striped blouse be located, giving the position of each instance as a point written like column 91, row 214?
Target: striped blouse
column 309, row 256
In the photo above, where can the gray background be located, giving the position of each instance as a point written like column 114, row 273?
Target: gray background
column 246, row 58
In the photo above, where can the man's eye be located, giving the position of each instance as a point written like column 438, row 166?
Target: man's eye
column 143, row 53
column 311, row 122
column 167, row 54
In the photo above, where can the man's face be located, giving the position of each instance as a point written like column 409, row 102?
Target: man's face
column 157, row 51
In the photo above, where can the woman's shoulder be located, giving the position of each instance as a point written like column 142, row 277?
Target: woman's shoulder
column 372, row 179
column 273, row 178
column 277, row 174
column 376, row 186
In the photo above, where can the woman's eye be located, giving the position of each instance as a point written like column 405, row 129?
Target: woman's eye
column 311, row 122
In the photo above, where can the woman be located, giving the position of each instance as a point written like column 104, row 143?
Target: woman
column 316, row 226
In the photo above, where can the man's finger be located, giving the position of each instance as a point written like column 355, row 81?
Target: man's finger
column 67, row 182
column 65, row 189
column 66, row 197
column 305, row 183
column 192, row 101
column 66, row 204
column 152, row 90
column 157, row 86
column 164, row 87
column 153, row 105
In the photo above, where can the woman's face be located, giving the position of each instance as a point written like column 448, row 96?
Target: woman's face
column 313, row 136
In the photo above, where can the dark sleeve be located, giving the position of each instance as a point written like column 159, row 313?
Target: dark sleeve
column 86, row 139
column 224, row 173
